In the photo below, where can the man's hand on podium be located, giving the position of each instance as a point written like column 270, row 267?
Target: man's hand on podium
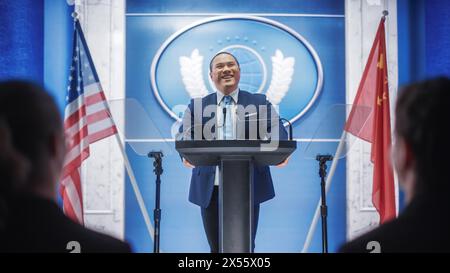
column 187, row 164
column 284, row 163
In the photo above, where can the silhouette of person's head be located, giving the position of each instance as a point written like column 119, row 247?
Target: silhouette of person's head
column 32, row 150
column 34, row 130
column 422, row 137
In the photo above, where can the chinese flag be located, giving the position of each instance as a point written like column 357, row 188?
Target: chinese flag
column 373, row 94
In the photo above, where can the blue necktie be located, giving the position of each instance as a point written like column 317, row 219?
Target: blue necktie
column 228, row 124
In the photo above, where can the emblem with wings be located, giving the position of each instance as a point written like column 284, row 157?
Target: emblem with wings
column 282, row 70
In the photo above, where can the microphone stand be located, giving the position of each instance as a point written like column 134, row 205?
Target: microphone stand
column 158, row 170
column 323, row 208
column 224, row 112
column 290, row 127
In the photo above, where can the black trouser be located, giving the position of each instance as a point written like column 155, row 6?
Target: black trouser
column 210, row 217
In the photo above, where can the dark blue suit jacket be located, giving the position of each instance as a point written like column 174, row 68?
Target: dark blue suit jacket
column 202, row 181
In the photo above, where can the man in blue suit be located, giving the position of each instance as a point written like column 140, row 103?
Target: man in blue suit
column 222, row 110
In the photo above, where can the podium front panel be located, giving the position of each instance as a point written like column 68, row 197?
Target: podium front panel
column 236, row 205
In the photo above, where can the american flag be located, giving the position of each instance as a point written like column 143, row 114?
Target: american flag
column 87, row 119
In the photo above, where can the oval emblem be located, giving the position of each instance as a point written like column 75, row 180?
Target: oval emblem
column 275, row 60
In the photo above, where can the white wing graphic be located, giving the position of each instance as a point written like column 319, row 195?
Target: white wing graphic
column 191, row 73
column 282, row 71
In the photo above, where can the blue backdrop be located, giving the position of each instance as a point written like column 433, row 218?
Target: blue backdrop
column 35, row 43
column 21, row 39
column 285, row 220
column 35, row 39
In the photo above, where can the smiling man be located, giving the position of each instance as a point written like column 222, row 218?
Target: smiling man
column 227, row 104
column 225, row 72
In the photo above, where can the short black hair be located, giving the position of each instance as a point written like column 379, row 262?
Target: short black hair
column 220, row 53
column 422, row 113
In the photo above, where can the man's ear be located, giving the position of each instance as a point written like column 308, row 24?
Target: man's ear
column 403, row 158
column 56, row 145
column 405, row 164
column 408, row 156
column 399, row 155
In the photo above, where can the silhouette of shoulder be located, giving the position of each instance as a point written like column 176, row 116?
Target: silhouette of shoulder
column 421, row 227
column 38, row 225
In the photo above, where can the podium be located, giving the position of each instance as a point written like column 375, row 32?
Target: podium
column 236, row 159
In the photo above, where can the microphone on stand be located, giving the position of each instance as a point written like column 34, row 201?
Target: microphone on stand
column 224, row 111
column 290, row 127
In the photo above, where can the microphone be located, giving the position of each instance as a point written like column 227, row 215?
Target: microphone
column 290, row 127
column 224, row 111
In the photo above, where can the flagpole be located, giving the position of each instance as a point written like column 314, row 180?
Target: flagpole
column 127, row 164
column 329, row 180
column 397, row 193
column 75, row 16
column 313, row 225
